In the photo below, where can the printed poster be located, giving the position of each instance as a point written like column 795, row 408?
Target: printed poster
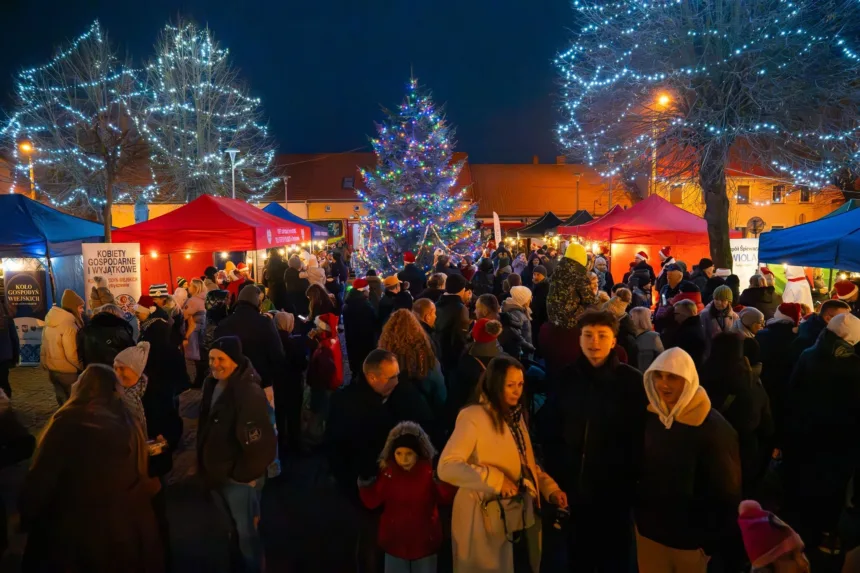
column 119, row 264
column 27, row 299
column 744, row 259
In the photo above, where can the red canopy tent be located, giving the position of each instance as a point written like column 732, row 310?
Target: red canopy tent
column 648, row 226
column 201, row 227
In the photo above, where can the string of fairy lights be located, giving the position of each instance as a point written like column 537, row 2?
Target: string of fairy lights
column 408, row 196
column 164, row 112
column 613, row 52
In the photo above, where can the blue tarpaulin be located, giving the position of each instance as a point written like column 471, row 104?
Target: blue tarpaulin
column 30, row 229
column 317, row 233
column 829, row 243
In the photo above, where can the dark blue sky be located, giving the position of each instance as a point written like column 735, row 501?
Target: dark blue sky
column 323, row 67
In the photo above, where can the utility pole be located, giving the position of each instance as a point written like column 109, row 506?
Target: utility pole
column 286, row 197
column 233, row 153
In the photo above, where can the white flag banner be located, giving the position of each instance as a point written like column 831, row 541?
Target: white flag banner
column 497, row 229
column 744, row 259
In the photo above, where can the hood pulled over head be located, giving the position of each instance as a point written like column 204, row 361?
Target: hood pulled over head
column 693, row 406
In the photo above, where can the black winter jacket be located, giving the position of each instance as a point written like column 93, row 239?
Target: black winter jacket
column 415, row 277
column 539, row 313
column 393, row 301
column 775, row 342
column 807, row 334
column 472, row 364
column 822, row 424
column 10, row 346
column 433, row 294
column 235, row 437
column 360, row 329
column 763, row 298
column 591, row 429
column 690, row 337
column 690, row 484
column 452, row 324
column 166, row 374
column 260, row 340
column 296, row 287
column 483, row 283
column 103, row 338
column 358, row 425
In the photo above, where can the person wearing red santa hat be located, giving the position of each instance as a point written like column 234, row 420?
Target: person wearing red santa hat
column 641, row 266
column 413, row 275
column 771, row 544
column 848, row 291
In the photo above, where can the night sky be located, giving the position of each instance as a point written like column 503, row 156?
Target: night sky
column 323, row 67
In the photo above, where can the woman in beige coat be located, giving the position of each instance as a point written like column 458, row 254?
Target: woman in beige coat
column 490, row 458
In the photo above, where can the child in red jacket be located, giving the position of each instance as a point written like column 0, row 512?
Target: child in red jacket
column 325, row 373
column 410, row 532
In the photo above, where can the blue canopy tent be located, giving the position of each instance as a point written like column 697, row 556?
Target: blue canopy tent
column 317, row 233
column 828, row 243
column 849, row 206
column 31, row 229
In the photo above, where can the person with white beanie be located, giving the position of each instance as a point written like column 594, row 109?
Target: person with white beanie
column 821, row 450
column 129, row 366
column 690, row 480
column 518, row 307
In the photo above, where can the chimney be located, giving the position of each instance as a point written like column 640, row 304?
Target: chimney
column 560, row 159
column 535, row 160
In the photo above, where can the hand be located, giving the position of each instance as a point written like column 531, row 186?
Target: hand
column 509, row 488
column 185, row 343
column 559, row 498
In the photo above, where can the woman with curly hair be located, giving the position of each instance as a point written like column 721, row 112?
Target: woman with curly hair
column 404, row 337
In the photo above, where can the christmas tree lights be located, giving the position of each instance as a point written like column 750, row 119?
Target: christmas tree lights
column 195, row 109
column 410, row 195
column 677, row 89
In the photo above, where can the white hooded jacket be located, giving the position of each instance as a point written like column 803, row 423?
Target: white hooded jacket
column 313, row 272
column 693, row 406
column 797, row 290
column 59, row 351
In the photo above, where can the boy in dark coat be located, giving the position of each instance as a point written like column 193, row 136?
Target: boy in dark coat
column 413, row 275
column 690, row 484
column 452, row 322
column 591, row 429
column 360, row 327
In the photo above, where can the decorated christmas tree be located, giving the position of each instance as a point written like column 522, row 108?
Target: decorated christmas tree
column 411, row 197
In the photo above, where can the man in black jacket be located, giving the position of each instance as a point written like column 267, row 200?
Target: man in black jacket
column 361, row 416
column 394, row 298
column 591, row 429
column 452, row 322
column 761, row 296
column 360, row 326
column 539, row 294
column 809, row 330
column 425, row 311
column 107, row 334
column 258, row 334
column 235, row 442
column 413, row 275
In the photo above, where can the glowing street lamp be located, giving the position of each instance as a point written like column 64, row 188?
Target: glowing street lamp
column 663, row 100
column 27, row 148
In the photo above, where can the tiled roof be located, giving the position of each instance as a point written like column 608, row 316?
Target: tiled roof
column 320, row 177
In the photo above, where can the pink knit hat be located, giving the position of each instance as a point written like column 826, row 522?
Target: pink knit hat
column 766, row 537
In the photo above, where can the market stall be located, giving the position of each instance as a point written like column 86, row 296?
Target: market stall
column 41, row 252
column 182, row 242
column 648, row 226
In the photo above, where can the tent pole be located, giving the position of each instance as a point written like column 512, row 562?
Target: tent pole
column 51, row 272
column 170, row 269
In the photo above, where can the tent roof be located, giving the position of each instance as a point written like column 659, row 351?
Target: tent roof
column 574, row 229
column 31, row 229
column 653, row 221
column 579, row 218
column 317, row 232
column 849, row 206
column 213, row 224
column 830, row 243
column 540, row 227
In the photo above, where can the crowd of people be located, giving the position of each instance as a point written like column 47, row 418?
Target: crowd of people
column 503, row 413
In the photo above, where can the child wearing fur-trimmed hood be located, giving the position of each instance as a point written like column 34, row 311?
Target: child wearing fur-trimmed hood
column 410, row 532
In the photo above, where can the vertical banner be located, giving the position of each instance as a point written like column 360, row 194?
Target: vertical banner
column 118, row 264
column 28, row 301
column 497, row 229
column 744, row 259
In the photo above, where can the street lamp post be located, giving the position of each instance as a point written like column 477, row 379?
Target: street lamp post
column 232, row 152
column 578, row 177
column 663, row 101
column 27, row 147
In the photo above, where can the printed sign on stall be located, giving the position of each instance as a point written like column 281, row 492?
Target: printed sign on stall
column 119, row 265
column 744, row 259
column 27, row 300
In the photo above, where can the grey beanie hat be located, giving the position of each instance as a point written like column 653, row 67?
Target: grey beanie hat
column 134, row 357
column 750, row 316
column 250, row 294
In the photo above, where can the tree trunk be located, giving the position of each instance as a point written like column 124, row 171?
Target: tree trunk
column 106, row 213
column 712, row 178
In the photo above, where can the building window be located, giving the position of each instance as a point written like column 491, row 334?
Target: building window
column 676, row 195
column 743, row 195
column 777, row 227
column 804, row 194
column 348, row 183
column 778, row 193
column 802, row 218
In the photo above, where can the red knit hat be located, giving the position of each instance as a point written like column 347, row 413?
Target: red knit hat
column 845, row 289
column 666, row 253
column 486, row 330
column 242, row 267
column 766, row 537
column 789, row 311
column 765, row 271
column 360, row 284
column 642, row 255
column 408, row 257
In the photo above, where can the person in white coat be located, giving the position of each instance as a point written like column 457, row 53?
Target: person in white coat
column 797, row 287
column 490, row 458
column 59, row 351
column 313, row 272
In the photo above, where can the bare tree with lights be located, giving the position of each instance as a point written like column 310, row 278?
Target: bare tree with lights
column 197, row 109
column 676, row 88
column 73, row 115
